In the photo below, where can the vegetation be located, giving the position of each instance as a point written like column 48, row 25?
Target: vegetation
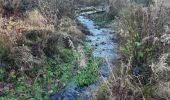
column 40, row 57
column 101, row 19
column 41, row 49
column 90, row 73
column 142, row 48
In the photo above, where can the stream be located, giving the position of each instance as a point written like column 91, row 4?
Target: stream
column 103, row 42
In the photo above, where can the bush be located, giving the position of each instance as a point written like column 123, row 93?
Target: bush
column 114, row 7
column 15, row 7
column 54, row 10
column 3, row 49
column 143, row 72
column 142, row 28
column 34, row 69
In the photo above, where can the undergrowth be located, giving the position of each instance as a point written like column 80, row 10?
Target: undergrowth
column 144, row 56
column 56, row 73
column 101, row 19
column 89, row 74
column 50, row 77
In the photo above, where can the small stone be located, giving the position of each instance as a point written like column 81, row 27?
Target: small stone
column 103, row 43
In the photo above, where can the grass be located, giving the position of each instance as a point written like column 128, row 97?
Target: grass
column 32, row 74
column 50, row 78
column 36, row 77
column 44, row 84
column 142, row 72
column 90, row 72
column 101, row 19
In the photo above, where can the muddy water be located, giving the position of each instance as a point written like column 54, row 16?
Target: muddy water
column 102, row 40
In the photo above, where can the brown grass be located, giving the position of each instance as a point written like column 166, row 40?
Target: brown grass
column 146, row 26
column 13, row 28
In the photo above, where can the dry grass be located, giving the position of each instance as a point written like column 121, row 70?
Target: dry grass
column 70, row 27
column 143, row 28
column 114, row 7
column 14, row 28
column 161, row 72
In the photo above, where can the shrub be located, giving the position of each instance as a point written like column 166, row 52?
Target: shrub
column 141, row 73
column 142, row 28
column 54, row 10
column 3, row 48
column 15, row 7
column 114, row 7
column 143, row 36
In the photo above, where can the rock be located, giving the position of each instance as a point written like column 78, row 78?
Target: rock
column 103, row 43
column 137, row 70
column 105, row 71
column 96, row 45
column 66, row 94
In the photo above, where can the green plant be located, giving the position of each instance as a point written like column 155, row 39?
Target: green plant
column 2, row 73
column 89, row 74
column 101, row 19
column 141, row 44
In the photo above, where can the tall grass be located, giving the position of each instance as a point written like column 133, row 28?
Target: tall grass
column 145, row 56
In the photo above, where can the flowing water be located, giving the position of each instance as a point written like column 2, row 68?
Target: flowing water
column 102, row 40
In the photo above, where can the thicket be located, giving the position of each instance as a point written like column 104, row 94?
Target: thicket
column 144, row 55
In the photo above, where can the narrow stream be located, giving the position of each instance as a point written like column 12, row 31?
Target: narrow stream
column 102, row 40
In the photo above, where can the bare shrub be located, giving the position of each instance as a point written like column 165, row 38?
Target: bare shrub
column 143, row 28
column 53, row 10
column 16, row 7
column 144, row 70
column 114, row 7
column 161, row 70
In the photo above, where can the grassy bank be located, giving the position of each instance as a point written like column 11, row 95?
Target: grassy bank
column 39, row 53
